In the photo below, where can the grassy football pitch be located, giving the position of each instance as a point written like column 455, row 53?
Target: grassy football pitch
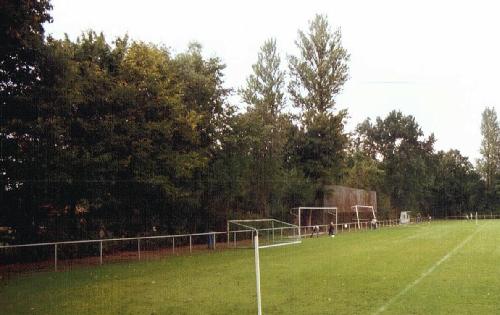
column 438, row 268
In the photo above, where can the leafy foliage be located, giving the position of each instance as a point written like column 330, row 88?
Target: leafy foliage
column 127, row 138
column 320, row 70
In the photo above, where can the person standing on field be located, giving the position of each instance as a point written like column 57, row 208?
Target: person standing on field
column 331, row 230
column 315, row 229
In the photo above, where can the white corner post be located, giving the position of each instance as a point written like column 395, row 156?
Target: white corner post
column 100, row 252
column 257, row 272
column 55, row 257
column 272, row 226
column 227, row 229
column 300, row 225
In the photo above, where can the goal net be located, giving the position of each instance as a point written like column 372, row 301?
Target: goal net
column 271, row 232
column 363, row 214
column 308, row 217
column 404, row 217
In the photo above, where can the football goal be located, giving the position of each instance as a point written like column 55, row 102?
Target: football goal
column 272, row 232
column 261, row 233
column 363, row 214
column 404, row 217
column 306, row 217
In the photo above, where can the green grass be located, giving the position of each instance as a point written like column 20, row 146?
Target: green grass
column 354, row 273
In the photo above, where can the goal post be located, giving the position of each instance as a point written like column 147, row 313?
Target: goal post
column 264, row 233
column 328, row 214
column 362, row 209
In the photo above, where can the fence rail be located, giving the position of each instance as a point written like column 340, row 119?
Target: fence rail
column 347, row 227
column 211, row 240
column 186, row 242
column 479, row 217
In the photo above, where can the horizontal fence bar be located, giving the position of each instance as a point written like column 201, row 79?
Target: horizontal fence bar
column 251, row 229
column 238, row 222
column 112, row 240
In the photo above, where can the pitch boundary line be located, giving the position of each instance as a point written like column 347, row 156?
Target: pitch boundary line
column 426, row 273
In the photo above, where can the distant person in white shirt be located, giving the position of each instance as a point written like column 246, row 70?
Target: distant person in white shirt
column 315, row 229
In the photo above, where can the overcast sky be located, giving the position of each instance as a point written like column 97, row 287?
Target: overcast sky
column 436, row 60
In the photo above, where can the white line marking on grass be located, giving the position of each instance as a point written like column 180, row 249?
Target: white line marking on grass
column 426, row 273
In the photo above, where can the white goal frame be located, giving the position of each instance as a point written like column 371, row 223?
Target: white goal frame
column 356, row 208
column 329, row 210
column 277, row 226
column 404, row 217
column 247, row 226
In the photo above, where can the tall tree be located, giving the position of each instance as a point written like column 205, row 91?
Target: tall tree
column 318, row 74
column 397, row 142
column 457, row 186
column 320, row 71
column 489, row 164
column 264, row 87
column 21, row 55
column 124, row 131
column 265, row 126
column 21, row 35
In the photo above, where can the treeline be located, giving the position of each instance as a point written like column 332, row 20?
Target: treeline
column 129, row 138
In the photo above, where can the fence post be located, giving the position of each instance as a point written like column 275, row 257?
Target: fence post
column 190, row 244
column 100, row 251
column 173, row 245
column 139, row 248
column 55, row 257
column 272, row 225
column 215, row 240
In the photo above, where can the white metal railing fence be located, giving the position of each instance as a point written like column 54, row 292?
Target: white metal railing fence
column 187, row 241
column 211, row 242
column 306, row 231
column 479, row 217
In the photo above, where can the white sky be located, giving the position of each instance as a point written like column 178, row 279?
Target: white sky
column 436, row 60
